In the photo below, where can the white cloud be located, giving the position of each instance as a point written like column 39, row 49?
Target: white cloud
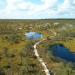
column 67, row 9
column 47, row 9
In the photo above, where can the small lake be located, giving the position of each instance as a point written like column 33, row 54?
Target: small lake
column 33, row 35
column 61, row 51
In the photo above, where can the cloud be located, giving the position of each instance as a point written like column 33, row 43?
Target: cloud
column 23, row 9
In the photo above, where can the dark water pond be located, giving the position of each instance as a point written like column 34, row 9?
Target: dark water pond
column 61, row 51
column 33, row 35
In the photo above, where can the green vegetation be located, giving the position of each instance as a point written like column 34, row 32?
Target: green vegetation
column 16, row 52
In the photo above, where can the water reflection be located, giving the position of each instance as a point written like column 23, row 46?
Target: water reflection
column 61, row 51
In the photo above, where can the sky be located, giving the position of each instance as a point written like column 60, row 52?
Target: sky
column 37, row 9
